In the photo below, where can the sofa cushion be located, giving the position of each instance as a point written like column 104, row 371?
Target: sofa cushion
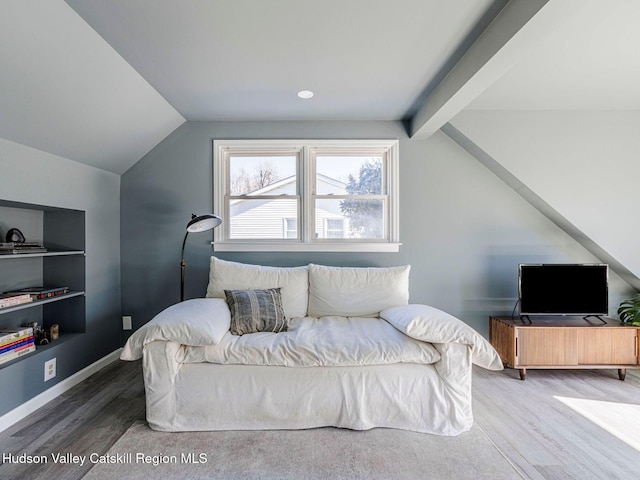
column 432, row 325
column 292, row 281
column 356, row 292
column 312, row 342
column 199, row 321
column 256, row 311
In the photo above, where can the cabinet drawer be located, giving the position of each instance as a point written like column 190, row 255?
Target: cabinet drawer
column 547, row 346
column 611, row 346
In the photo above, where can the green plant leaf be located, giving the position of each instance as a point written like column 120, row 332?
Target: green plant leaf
column 629, row 310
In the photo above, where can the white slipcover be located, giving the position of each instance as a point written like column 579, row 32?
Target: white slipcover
column 432, row 398
column 409, row 369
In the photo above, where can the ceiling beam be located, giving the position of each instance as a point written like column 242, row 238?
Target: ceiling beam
column 518, row 27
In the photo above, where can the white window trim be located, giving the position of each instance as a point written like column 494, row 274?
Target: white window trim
column 306, row 243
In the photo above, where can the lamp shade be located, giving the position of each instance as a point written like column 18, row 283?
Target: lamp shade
column 202, row 223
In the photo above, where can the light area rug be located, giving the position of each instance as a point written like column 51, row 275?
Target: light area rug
column 322, row 453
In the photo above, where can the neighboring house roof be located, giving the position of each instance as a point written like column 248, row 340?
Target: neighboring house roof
column 261, row 215
column 288, row 180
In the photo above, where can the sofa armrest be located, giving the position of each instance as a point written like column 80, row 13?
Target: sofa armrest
column 455, row 369
column 455, row 360
column 431, row 325
column 199, row 322
column 160, row 369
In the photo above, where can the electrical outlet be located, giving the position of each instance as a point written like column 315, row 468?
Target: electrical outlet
column 49, row 369
column 126, row 323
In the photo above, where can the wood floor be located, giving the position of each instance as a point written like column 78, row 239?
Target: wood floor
column 563, row 424
column 89, row 418
column 557, row 424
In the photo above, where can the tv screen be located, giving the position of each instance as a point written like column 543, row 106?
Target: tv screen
column 558, row 289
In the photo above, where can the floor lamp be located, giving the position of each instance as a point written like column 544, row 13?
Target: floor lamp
column 200, row 223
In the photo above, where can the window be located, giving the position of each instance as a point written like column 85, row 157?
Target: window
column 324, row 195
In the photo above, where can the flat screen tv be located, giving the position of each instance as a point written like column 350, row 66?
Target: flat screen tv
column 563, row 289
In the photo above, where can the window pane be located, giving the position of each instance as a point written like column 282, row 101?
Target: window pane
column 262, row 175
column 290, row 228
column 261, row 219
column 352, row 218
column 349, row 175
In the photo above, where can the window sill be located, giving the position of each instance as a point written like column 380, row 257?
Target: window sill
column 305, row 247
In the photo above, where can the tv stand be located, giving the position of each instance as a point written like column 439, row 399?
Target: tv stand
column 565, row 343
column 523, row 317
column 596, row 316
column 586, row 318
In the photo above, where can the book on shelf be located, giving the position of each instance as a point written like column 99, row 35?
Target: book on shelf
column 19, row 244
column 40, row 293
column 15, row 333
column 17, row 353
column 22, row 251
column 17, row 345
column 14, row 341
column 11, row 300
column 15, row 248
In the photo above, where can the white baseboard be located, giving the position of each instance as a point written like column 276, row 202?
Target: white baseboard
column 18, row 413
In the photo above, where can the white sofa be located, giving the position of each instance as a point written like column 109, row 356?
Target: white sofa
column 355, row 355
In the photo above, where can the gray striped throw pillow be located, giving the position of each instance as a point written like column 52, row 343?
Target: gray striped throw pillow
column 256, row 311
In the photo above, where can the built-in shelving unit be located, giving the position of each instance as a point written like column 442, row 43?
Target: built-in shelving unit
column 62, row 232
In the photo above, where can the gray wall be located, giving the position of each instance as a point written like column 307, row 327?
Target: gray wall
column 584, row 164
column 463, row 230
column 32, row 176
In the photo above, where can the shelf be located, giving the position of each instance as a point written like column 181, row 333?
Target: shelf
column 43, row 254
column 35, row 303
column 62, row 232
column 63, row 338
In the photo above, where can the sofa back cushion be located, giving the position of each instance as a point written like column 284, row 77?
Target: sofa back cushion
column 356, row 292
column 292, row 281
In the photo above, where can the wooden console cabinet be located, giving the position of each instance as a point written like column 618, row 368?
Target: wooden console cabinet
column 564, row 342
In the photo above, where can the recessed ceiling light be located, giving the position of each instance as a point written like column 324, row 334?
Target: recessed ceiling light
column 305, row 94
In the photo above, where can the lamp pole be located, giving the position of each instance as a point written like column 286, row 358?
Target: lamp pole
column 182, row 267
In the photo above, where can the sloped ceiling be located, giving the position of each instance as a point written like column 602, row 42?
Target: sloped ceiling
column 65, row 91
column 591, row 63
column 102, row 82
